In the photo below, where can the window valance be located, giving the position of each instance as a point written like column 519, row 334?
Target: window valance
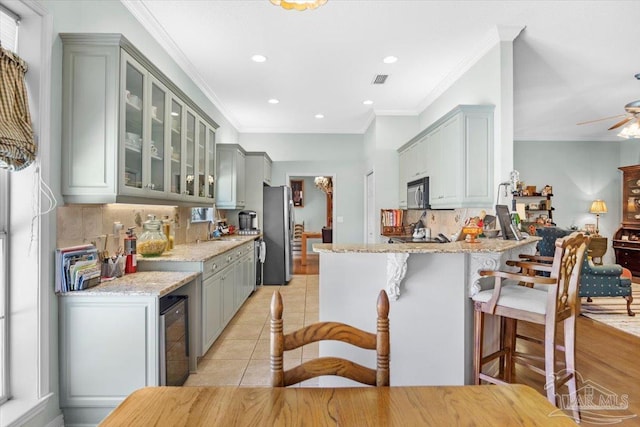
column 17, row 144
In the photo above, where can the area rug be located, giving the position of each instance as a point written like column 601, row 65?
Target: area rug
column 612, row 311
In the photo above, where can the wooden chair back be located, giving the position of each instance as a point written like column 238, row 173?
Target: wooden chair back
column 281, row 342
column 566, row 267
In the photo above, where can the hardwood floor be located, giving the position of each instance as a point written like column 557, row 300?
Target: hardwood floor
column 607, row 359
column 312, row 267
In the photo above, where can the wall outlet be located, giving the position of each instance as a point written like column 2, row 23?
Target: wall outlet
column 117, row 226
column 340, row 219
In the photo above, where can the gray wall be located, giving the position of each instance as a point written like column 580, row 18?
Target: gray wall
column 314, row 211
column 579, row 172
column 341, row 155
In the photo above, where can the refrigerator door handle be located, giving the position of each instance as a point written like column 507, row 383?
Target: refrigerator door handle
column 263, row 251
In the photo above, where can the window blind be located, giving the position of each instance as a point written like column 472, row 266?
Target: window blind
column 17, row 142
column 9, row 29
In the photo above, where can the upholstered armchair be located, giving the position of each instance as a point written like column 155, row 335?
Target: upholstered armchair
column 547, row 246
column 605, row 281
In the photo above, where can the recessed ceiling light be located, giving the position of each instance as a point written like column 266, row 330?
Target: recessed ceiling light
column 273, row 101
column 390, row 59
column 258, row 58
column 367, row 102
column 319, row 116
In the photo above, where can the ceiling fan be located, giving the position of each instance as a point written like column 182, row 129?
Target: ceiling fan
column 632, row 114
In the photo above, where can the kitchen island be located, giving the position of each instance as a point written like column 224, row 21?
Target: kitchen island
column 431, row 312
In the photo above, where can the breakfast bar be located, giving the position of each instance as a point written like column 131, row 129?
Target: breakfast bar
column 431, row 313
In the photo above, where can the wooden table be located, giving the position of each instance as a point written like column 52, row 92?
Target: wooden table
column 303, row 249
column 597, row 248
column 489, row 405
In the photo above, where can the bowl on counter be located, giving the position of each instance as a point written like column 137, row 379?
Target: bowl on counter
column 491, row 234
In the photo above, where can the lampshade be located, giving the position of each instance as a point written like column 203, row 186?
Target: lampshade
column 299, row 4
column 598, row 207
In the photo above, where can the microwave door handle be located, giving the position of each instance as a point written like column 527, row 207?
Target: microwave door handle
column 418, row 197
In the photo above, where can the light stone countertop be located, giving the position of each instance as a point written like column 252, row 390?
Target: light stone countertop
column 483, row 245
column 146, row 283
column 203, row 251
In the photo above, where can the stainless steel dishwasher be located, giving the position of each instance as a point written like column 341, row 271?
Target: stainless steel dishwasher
column 174, row 340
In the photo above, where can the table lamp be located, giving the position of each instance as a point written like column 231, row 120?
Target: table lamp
column 598, row 207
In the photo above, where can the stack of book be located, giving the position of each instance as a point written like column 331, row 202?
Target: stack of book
column 77, row 268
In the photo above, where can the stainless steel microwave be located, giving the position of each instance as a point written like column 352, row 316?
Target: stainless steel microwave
column 418, row 194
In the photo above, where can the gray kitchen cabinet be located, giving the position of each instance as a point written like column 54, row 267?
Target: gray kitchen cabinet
column 229, row 291
column 225, row 287
column 211, row 309
column 403, row 169
column 126, row 129
column 460, row 157
column 258, row 173
column 110, row 344
column 230, row 166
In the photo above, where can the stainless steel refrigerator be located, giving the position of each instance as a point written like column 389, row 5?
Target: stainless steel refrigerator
column 277, row 227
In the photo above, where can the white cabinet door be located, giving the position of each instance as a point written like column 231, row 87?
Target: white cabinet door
column 435, row 165
column 478, row 147
column 451, row 160
column 231, row 183
column 421, row 154
column 109, row 348
column 211, row 310
column 240, row 179
column 267, row 170
column 403, row 166
column 461, row 158
column 228, row 294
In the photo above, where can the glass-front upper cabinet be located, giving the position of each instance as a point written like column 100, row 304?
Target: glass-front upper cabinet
column 190, row 148
column 176, row 147
column 211, row 164
column 157, row 146
column 201, row 156
column 134, row 101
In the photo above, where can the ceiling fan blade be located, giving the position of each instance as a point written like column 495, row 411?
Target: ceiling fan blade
column 621, row 122
column 600, row 120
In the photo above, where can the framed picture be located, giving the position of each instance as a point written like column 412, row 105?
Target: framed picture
column 297, row 189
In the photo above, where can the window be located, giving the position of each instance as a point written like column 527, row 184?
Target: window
column 4, row 202
column 9, row 40
column 8, row 29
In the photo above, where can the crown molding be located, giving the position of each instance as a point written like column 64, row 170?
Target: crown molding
column 141, row 13
column 499, row 33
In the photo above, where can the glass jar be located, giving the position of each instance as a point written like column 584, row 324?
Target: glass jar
column 168, row 230
column 152, row 242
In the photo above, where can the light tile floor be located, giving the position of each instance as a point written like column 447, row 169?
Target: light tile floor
column 240, row 356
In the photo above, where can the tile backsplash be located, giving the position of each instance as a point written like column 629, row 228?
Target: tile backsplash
column 447, row 222
column 79, row 224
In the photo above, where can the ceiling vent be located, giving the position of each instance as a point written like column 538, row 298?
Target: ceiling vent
column 380, row 79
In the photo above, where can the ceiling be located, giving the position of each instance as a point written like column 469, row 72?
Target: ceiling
column 575, row 60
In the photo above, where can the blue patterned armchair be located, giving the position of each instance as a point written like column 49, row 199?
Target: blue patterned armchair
column 547, row 246
column 605, row 281
column 596, row 281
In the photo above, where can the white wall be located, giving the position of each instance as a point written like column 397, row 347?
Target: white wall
column 579, row 172
column 62, row 16
column 341, row 155
column 382, row 139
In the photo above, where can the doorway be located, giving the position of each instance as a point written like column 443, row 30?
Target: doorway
column 314, row 208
